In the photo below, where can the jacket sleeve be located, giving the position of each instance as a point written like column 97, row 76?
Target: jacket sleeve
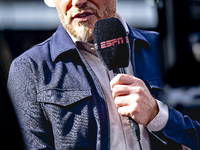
column 23, row 92
column 181, row 129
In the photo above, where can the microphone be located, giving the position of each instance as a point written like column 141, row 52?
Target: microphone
column 113, row 49
column 112, row 44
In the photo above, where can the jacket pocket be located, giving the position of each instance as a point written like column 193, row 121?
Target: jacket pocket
column 70, row 115
column 63, row 97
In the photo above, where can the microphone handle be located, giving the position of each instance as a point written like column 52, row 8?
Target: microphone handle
column 133, row 124
column 135, row 130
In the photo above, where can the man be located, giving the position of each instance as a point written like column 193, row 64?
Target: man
column 66, row 99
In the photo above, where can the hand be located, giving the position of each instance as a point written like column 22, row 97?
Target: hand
column 133, row 99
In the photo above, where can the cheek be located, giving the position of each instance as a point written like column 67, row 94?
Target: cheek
column 108, row 8
column 62, row 6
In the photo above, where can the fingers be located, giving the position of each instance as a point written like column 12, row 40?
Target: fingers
column 122, row 79
column 133, row 98
column 125, row 111
column 130, row 111
column 128, row 100
column 125, row 79
column 120, row 90
column 123, row 90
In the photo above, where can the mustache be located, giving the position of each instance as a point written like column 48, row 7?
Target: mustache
column 84, row 8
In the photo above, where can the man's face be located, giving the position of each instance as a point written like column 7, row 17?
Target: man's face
column 78, row 17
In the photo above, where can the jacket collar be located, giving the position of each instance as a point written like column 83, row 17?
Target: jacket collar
column 136, row 35
column 61, row 41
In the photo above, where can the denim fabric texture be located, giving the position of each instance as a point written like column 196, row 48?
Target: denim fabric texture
column 58, row 99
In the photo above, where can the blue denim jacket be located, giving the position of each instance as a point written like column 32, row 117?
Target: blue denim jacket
column 58, row 99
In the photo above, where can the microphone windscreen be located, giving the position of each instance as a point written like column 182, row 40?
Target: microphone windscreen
column 111, row 42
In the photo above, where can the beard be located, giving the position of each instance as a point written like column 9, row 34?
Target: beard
column 83, row 33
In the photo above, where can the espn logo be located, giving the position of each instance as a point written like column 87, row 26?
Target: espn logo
column 112, row 42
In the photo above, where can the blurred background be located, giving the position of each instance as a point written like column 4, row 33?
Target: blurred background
column 24, row 23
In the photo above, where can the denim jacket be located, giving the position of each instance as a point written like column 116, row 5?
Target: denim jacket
column 58, row 99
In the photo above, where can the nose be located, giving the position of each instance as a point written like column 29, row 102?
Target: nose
column 79, row 3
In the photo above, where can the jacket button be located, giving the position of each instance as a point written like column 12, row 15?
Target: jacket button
column 127, row 122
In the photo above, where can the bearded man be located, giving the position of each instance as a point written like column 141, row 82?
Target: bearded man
column 66, row 99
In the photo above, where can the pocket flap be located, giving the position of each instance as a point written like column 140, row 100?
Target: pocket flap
column 63, row 97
